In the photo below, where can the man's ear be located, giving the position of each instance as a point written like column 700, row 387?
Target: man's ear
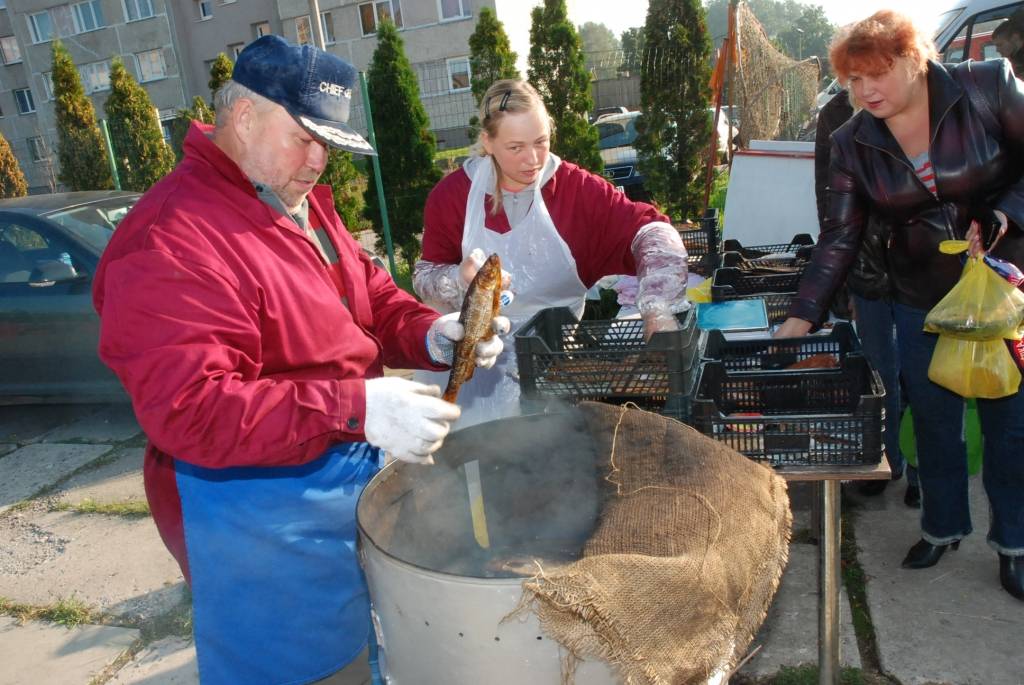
column 245, row 120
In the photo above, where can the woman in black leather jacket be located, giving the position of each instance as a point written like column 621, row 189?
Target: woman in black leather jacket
column 933, row 148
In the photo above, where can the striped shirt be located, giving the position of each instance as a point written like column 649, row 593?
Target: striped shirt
column 923, row 168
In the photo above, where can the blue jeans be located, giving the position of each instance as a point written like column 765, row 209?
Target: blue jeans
column 942, row 453
column 877, row 333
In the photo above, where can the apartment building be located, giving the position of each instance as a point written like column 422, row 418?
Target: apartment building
column 168, row 45
column 141, row 32
column 435, row 32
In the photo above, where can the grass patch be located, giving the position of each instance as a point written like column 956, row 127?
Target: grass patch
column 403, row 276
column 856, row 588
column 66, row 611
column 452, row 153
column 131, row 508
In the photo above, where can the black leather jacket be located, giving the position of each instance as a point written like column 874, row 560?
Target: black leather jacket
column 867, row 276
column 975, row 170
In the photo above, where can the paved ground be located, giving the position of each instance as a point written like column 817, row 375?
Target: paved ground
column 951, row 624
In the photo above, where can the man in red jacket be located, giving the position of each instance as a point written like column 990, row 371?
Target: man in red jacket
column 251, row 332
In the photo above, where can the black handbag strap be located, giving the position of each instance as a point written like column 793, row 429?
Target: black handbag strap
column 980, row 102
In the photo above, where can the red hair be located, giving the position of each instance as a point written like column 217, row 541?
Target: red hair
column 872, row 46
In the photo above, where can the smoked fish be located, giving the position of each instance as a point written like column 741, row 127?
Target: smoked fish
column 479, row 308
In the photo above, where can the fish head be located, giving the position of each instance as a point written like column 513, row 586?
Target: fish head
column 489, row 276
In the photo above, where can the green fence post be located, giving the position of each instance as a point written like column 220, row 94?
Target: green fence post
column 110, row 154
column 376, row 175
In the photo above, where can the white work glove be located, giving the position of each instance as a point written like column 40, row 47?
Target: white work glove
column 447, row 331
column 407, row 420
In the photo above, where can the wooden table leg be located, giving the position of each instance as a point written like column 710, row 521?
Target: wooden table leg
column 828, row 605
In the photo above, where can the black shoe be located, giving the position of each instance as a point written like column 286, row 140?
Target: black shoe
column 924, row 554
column 872, row 488
column 912, row 497
column 1011, row 575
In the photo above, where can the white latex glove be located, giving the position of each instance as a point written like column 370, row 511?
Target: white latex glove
column 447, row 331
column 472, row 263
column 407, row 420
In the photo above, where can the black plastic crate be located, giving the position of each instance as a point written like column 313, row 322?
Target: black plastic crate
column 789, row 260
column 775, row 354
column 731, row 283
column 703, row 244
column 833, row 416
column 561, row 358
column 800, row 243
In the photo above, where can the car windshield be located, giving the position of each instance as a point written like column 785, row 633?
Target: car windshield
column 618, row 133
column 94, row 223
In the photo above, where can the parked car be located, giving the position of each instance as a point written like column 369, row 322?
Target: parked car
column 602, row 112
column 49, row 248
column 616, row 135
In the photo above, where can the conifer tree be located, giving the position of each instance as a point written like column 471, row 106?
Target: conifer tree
column 220, row 73
column 12, row 180
column 142, row 156
column 674, row 96
column 81, row 150
column 348, row 186
column 404, row 142
column 199, row 111
column 490, row 59
column 558, row 71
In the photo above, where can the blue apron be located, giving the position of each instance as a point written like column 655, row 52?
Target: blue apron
column 277, row 592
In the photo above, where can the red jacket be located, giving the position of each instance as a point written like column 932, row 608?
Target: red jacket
column 595, row 220
column 221, row 319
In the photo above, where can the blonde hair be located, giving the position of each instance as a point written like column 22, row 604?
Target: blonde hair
column 507, row 96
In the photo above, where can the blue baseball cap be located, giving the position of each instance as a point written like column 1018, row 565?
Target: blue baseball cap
column 314, row 86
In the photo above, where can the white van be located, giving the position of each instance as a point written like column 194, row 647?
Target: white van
column 963, row 31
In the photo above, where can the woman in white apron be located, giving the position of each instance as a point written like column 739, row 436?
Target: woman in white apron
column 557, row 229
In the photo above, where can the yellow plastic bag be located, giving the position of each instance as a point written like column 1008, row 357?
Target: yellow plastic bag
column 974, row 368
column 701, row 292
column 981, row 306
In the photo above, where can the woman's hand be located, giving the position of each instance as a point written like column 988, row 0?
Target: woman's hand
column 975, row 246
column 793, row 328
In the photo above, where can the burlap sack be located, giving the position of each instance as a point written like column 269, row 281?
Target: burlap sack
column 682, row 567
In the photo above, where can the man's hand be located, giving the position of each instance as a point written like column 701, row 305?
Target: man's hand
column 447, row 331
column 407, row 420
column 793, row 328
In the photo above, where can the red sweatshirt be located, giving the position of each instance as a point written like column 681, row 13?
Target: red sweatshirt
column 223, row 322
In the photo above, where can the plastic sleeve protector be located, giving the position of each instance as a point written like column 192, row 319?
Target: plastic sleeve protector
column 439, row 285
column 661, row 274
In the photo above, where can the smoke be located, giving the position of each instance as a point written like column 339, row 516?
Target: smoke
column 541, row 493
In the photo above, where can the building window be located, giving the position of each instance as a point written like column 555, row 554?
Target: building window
column 458, row 74
column 205, row 8
column 40, row 27
column 261, row 29
column 88, row 16
column 167, row 126
column 3, row 4
column 26, row 105
column 235, row 49
column 138, row 9
column 10, row 49
column 95, row 76
column 452, row 9
column 303, row 31
column 151, row 65
column 37, row 149
column 48, row 85
column 327, row 26
column 370, row 13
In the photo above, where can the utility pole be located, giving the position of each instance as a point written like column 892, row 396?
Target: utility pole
column 318, row 28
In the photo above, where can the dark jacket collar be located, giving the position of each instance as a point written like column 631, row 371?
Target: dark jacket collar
column 943, row 93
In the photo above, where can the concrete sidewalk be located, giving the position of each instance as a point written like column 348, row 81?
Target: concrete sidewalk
column 952, row 624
